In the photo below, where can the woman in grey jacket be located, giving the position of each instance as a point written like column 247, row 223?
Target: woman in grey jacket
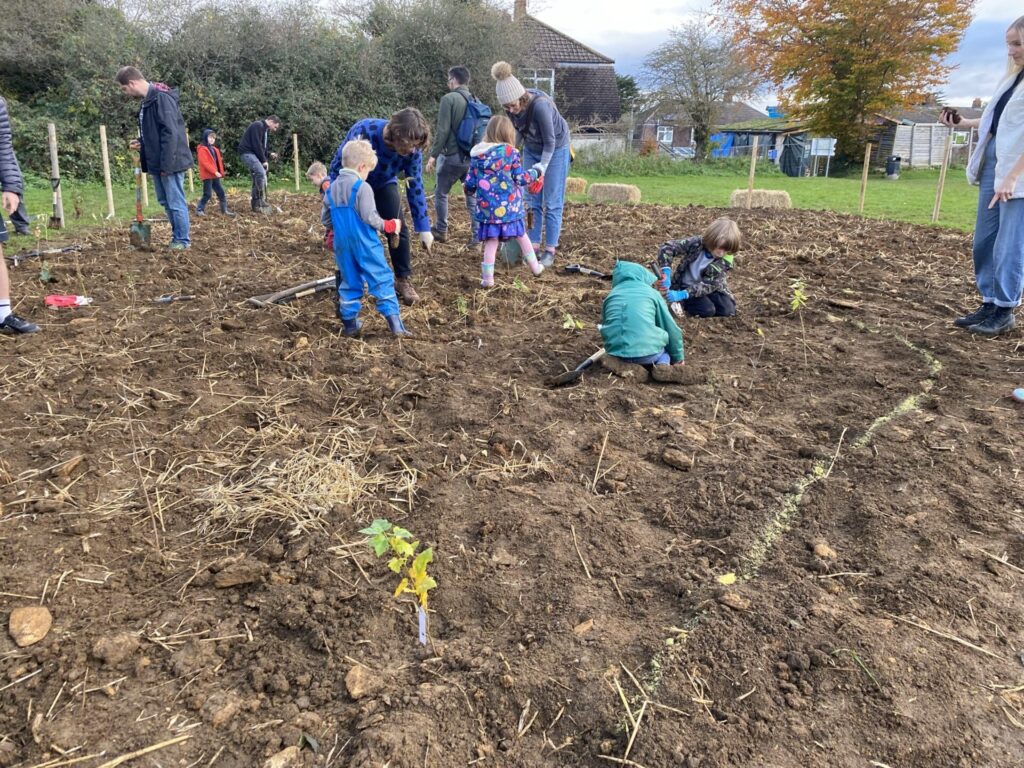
column 545, row 137
column 997, row 166
column 12, row 186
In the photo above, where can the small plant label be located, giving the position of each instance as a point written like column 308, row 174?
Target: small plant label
column 421, row 612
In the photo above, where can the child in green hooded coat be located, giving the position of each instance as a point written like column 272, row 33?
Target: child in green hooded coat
column 636, row 324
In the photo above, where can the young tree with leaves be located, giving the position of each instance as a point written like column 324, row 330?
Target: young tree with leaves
column 697, row 70
column 843, row 61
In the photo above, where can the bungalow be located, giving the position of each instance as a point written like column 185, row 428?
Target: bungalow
column 671, row 128
column 581, row 80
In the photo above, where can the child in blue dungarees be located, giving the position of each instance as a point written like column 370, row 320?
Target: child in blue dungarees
column 350, row 212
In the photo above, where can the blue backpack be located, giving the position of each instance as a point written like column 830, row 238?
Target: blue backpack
column 474, row 122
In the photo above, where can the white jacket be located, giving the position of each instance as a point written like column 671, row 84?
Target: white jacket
column 1009, row 139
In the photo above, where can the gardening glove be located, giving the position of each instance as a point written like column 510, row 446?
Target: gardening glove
column 534, row 187
column 392, row 226
column 540, row 168
column 427, row 239
column 677, row 296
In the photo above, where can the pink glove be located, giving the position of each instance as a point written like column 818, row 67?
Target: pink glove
column 534, row 187
column 392, row 226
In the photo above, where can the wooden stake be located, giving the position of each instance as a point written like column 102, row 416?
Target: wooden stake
column 57, row 219
column 864, row 177
column 295, row 157
column 750, row 179
column 942, row 178
column 105, row 155
column 191, row 182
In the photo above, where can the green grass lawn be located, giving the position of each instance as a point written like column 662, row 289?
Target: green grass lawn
column 908, row 199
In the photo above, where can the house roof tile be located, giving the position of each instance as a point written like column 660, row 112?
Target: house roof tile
column 549, row 47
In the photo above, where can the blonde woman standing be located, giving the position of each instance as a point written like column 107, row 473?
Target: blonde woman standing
column 997, row 167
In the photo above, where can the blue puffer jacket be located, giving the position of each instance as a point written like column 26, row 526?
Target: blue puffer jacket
column 162, row 132
column 389, row 165
column 10, row 171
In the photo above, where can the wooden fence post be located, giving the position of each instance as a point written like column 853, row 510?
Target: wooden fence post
column 191, row 182
column 57, row 218
column 864, row 177
column 750, row 178
column 105, row 155
column 942, row 178
column 295, row 157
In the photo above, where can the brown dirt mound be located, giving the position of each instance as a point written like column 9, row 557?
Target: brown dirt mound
column 183, row 485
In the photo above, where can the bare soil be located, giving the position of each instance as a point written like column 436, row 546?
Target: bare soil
column 183, row 485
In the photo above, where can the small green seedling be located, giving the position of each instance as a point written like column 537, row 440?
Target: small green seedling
column 797, row 302
column 384, row 538
column 462, row 305
column 570, row 323
column 519, row 285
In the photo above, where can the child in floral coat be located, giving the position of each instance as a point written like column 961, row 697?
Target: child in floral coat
column 495, row 177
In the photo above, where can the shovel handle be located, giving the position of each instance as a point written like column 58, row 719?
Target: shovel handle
column 138, row 187
column 590, row 360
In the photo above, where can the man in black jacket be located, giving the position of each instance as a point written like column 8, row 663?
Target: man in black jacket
column 163, row 147
column 12, row 185
column 253, row 151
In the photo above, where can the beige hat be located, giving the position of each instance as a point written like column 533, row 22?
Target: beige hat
column 508, row 88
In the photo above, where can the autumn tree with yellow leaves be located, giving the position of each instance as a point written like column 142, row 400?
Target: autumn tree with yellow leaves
column 841, row 62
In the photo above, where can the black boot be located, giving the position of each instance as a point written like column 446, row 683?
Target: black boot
column 999, row 321
column 224, row 208
column 395, row 324
column 979, row 315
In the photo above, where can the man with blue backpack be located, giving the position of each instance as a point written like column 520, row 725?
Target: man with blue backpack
column 461, row 120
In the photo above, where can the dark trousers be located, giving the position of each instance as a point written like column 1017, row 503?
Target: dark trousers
column 209, row 187
column 389, row 206
column 717, row 304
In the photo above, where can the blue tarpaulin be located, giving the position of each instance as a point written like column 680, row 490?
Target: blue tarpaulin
column 722, row 144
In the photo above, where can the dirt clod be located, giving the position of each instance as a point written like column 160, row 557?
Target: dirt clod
column 245, row 572
column 114, row 649
column 290, row 757
column 29, row 624
column 734, row 600
column 824, row 551
column 677, row 459
column 624, row 370
column 361, row 682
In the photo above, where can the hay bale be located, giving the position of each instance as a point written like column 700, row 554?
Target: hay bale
column 614, row 193
column 760, row 198
column 574, row 185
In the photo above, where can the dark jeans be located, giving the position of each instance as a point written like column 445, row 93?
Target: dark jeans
column 209, row 187
column 389, row 206
column 450, row 169
column 717, row 304
column 20, row 219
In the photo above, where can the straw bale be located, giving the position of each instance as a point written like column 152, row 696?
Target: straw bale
column 574, row 185
column 614, row 193
column 761, row 198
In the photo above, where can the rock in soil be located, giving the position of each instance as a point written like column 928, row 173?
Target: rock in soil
column 677, row 459
column 29, row 624
column 824, row 551
column 244, row 572
column 734, row 600
column 114, row 649
column 624, row 370
column 286, row 758
column 361, row 682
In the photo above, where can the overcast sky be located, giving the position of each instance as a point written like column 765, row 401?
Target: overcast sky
column 628, row 37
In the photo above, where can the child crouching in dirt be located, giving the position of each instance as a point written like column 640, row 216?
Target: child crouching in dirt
column 495, row 177
column 316, row 175
column 702, row 270
column 636, row 324
column 351, row 213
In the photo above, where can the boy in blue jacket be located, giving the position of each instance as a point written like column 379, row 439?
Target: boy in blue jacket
column 350, row 212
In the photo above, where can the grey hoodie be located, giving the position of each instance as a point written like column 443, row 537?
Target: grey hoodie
column 341, row 193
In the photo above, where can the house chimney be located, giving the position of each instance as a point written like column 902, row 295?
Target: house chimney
column 976, row 104
column 519, row 12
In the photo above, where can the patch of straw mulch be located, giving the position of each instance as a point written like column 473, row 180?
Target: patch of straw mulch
column 299, row 484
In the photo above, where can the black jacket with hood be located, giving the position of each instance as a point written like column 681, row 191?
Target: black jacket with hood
column 254, row 140
column 162, row 132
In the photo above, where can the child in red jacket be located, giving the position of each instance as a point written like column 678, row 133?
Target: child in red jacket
column 211, row 171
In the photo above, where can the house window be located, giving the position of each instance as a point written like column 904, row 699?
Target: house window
column 665, row 133
column 541, row 79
